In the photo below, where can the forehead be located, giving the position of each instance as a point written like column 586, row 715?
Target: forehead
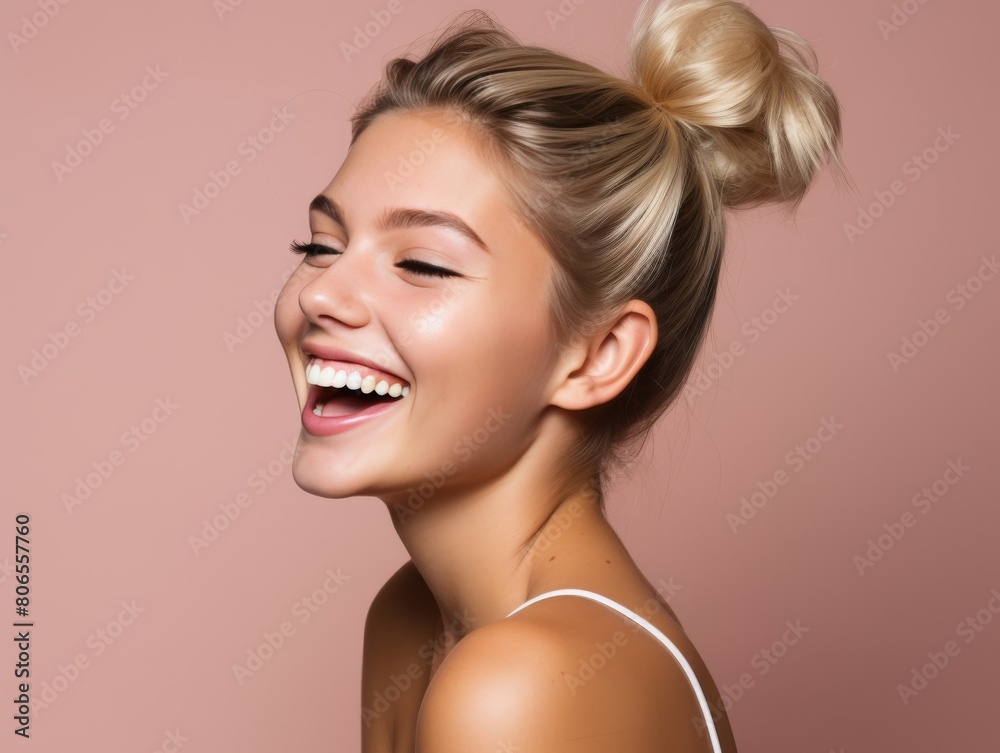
column 428, row 159
column 424, row 155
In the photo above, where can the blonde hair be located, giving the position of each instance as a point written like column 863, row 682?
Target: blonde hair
column 627, row 181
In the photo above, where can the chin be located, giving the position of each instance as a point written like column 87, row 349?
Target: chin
column 325, row 479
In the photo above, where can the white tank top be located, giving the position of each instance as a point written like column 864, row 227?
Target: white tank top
column 702, row 702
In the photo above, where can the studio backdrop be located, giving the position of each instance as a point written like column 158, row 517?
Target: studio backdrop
column 819, row 506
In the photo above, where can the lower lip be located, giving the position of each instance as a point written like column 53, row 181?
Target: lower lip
column 325, row 426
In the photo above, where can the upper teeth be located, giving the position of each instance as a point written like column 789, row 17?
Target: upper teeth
column 331, row 377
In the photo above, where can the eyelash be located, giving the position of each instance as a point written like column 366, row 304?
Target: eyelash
column 417, row 267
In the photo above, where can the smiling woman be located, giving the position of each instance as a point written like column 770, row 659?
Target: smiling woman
column 480, row 342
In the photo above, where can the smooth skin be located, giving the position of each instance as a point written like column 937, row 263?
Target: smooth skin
column 463, row 464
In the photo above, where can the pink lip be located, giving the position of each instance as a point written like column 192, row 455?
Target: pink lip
column 325, row 426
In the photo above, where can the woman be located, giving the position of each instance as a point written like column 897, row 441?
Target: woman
column 507, row 282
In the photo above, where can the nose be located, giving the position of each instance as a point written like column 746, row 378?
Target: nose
column 339, row 292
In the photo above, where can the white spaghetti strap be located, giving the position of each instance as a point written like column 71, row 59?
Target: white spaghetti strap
column 702, row 701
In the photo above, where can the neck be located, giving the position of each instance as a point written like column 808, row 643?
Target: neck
column 485, row 549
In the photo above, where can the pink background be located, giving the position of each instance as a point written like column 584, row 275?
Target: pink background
column 169, row 669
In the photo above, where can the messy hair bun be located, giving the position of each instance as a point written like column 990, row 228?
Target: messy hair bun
column 747, row 93
column 627, row 181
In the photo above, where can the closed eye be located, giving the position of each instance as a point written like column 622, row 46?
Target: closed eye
column 310, row 249
column 423, row 268
column 417, row 267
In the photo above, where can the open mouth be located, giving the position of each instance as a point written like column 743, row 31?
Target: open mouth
column 343, row 389
column 344, row 401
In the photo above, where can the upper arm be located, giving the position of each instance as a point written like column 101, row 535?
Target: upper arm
column 495, row 692
column 533, row 687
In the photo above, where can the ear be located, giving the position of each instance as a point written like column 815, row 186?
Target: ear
column 596, row 369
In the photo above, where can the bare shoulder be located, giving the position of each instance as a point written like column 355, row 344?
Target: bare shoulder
column 400, row 620
column 404, row 594
column 563, row 674
column 397, row 655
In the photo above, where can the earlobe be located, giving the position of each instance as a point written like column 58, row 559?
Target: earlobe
column 600, row 367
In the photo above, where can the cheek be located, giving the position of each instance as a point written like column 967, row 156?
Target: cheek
column 483, row 347
column 430, row 319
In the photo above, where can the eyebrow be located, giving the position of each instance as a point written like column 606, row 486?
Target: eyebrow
column 400, row 217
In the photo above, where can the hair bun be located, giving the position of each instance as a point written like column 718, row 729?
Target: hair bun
column 761, row 119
